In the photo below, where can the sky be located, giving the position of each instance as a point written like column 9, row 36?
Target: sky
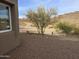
column 62, row 6
column 3, row 12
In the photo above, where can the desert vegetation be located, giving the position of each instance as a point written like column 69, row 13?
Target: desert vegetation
column 46, row 20
column 67, row 28
column 41, row 18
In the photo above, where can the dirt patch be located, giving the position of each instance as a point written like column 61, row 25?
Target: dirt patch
column 46, row 47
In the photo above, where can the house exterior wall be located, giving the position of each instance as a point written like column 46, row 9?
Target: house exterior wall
column 9, row 40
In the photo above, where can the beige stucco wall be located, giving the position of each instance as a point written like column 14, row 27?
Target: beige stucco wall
column 9, row 40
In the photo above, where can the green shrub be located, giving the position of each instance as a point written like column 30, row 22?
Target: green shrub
column 65, row 27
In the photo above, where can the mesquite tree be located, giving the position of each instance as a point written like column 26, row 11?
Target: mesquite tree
column 41, row 18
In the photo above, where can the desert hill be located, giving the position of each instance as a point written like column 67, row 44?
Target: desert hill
column 72, row 18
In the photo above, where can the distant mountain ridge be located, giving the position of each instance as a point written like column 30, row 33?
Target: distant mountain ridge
column 72, row 18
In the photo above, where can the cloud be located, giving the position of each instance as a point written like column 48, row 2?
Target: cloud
column 21, row 17
column 22, row 8
column 66, row 6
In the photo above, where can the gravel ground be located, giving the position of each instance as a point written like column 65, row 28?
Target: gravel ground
column 46, row 47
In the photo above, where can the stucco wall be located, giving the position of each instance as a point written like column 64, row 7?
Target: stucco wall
column 9, row 40
column 12, row 1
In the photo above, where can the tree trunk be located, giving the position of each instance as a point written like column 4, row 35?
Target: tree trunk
column 42, row 30
column 38, row 30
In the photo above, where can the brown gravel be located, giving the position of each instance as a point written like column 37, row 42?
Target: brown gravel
column 46, row 47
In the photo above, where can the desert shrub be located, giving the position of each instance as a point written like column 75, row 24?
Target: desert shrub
column 41, row 18
column 75, row 30
column 65, row 27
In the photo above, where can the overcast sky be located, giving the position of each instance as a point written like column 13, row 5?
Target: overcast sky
column 62, row 6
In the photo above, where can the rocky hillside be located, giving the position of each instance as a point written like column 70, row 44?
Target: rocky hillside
column 72, row 18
